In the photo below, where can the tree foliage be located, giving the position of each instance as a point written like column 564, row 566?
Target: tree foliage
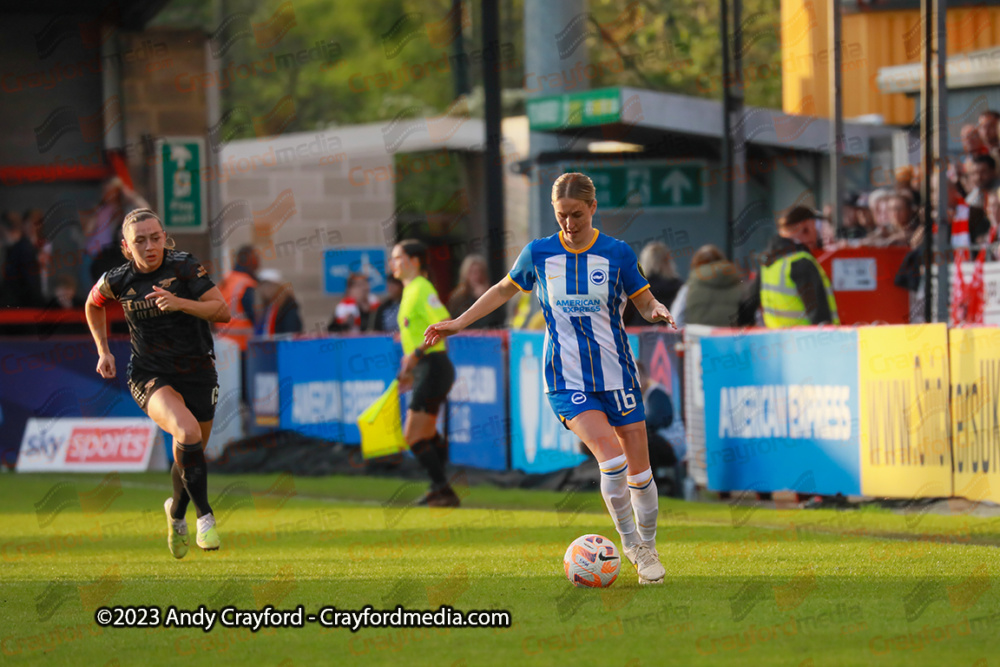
column 380, row 59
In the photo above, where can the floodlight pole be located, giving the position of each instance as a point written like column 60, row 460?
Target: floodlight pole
column 927, row 144
column 940, row 8
column 727, row 144
column 737, row 137
column 493, row 167
column 458, row 49
column 837, row 124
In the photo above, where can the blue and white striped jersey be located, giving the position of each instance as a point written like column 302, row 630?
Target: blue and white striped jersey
column 583, row 295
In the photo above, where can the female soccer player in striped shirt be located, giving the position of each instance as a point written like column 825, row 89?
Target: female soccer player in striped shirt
column 583, row 279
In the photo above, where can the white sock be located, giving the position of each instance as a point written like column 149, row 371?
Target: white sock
column 614, row 488
column 205, row 522
column 646, row 504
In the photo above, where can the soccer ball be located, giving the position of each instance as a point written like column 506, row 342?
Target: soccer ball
column 592, row 561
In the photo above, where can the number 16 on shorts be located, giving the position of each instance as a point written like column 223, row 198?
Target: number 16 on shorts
column 625, row 400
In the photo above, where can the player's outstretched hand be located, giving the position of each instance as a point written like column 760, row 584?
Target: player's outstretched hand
column 106, row 366
column 661, row 314
column 166, row 301
column 442, row 329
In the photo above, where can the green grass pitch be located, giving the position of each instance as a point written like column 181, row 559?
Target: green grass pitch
column 745, row 585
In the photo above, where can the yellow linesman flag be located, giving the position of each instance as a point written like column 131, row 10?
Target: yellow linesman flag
column 381, row 426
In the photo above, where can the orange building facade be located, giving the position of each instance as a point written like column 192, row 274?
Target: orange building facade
column 870, row 40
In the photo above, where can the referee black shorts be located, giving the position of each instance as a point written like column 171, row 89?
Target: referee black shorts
column 200, row 390
column 432, row 379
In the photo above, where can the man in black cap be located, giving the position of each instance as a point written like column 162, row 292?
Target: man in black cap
column 791, row 287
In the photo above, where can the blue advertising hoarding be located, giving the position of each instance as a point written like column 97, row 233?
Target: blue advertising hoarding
column 330, row 382
column 320, row 386
column 58, row 378
column 339, row 263
column 477, row 424
column 539, row 442
column 262, row 386
column 781, row 411
column 659, row 354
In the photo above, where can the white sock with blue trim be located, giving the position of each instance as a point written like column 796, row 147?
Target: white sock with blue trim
column 646, row 504
column 614, row 488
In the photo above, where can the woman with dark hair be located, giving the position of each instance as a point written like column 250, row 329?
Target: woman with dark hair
column 354, row 312
column 425, row 367
column 169, row 301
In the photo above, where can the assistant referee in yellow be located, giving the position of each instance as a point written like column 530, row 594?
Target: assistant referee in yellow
column 427, row 369
column 791, row 287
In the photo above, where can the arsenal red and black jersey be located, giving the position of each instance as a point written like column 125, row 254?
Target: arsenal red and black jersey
column 163, row 342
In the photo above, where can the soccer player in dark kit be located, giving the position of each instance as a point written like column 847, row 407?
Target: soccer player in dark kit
column 169, row 301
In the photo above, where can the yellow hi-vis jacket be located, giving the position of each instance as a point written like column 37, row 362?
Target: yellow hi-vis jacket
column 780, row 299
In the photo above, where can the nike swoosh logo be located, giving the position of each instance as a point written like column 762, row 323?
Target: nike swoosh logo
column 554, row 277
column 626, row 414
column 603, row 557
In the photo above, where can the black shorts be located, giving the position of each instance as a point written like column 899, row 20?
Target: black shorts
column 432, row 379
column 200, row 390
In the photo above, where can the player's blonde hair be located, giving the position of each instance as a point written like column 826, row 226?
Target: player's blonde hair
column 574, row 185
column 139, row 215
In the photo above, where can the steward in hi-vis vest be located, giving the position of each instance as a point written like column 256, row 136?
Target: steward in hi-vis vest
column 237, row 288
column 791, row 288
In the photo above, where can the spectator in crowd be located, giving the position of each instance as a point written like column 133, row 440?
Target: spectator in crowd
column 33, row 229
column 993, row 208
column 108, row 258
column 876, row 204
column 117, row 201
column 354, row 312
column 900, row 218
column 657, row 263
column 851, row 224
column 280, row 309
column 64, row 299
column 988, row 132
column 21, row 286
column 865, row 217
column 239, row 288
column 65, row 296
column 826, row 231
column 983, row 179
column 788, row 261
column 972, row 142
column 712, row 292
column 384, row 317
column 908, row 182
column 473, row 281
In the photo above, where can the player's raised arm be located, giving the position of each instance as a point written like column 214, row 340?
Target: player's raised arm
column 651, row 309
column 494, row 297
column 97, row 320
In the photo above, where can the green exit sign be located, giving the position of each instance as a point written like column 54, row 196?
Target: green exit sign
column 676, row 186
column 182, row 193
column 586, row 108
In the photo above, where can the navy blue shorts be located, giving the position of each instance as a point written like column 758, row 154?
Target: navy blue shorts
column 622, row 406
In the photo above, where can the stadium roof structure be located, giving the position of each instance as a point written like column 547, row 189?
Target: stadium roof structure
column 653, row 119
column 964, row 70
column 452, row 133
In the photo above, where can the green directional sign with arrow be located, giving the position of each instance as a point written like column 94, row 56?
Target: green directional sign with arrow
column 674, row 186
